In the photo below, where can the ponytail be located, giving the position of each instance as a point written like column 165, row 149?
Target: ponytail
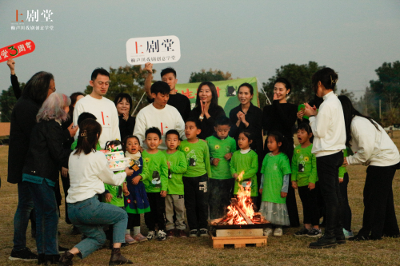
column 88, row 136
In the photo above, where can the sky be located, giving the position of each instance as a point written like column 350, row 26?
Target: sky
column 246, row 38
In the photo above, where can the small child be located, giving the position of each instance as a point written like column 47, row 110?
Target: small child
column 304, row 177
column 155, row 180
column 175, row 201
column 343, row 183
column 275, row 173
column 221, row 147
column 136, row 201
column 245, row 160
column 196, row 178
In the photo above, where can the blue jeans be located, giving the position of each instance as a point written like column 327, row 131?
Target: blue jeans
column 21, row 217
column 46, row 210
column 89, row 216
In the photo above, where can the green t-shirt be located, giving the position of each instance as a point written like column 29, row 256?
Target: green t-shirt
column 248, row 163
column 197, row 157
column 75, row 143
column 274, row 167
column 218, row 149
column 178, row 166
column 117, row 195
column 304, row 166
column 155, row 172
column 343, row 169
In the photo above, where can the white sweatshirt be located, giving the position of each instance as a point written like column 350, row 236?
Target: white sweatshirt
column 371, row 146
column 164, row 119
column 328, row 127
column 87, row 175
column 105, row 112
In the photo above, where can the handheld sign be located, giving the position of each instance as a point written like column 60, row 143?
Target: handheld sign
column 162, row 49
column 16, row 50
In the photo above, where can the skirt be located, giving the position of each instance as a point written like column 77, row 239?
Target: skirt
column 275, row 213
column 137, row 202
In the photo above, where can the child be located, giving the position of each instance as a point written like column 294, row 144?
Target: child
column 221, row 148
column 155, row 180
column 343, row 183
column 245, row 160
column 195, row 179
column 136, row 201
column 304, row 177
column 275, row 172
column 175, row 201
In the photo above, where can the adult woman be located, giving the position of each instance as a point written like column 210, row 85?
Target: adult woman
column 123, row 102
column 207, row 109
column 373, row 147
column 45, row 157
column 88, row 171
column 281, row 116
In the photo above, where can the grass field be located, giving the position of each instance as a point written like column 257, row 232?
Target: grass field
column 286, row 250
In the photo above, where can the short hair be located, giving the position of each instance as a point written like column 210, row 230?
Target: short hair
column 154, row 130
column 121, row 96
column 160, row 87
column 196, row 121
column 85, row 115
column 288, row 85
column 248, row 85
column 53, row 108
column 214, row 100
column 168, row 70
column 327, row 76
column 222, row 121
column 100, row 71
column 247, row 133
column 89, row 134
column 173, row 132
column 279, row 137
column 125, row 140
column 37, row 87
column 307, row 128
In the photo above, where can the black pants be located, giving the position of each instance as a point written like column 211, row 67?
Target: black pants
column 346, row 207
column 157, row 212
column 133, row 220
column 328, row 174
column 310, row 206
column 379, row 214
column 196, row 201
column 221, row 191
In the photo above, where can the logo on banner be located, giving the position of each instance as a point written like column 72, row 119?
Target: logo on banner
column 16, row 50
column 33, row 20
column 163, row 49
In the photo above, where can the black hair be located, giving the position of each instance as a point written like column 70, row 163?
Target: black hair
column 222, row 121
column 125, row 140
column 327, row 76
column 38, row 87
column 194, row 120
column 154, row 130
column 280, row 138
column 172, row 132
column 288, row 85
column 121, row 96
column 85, row 115
column 306, row 127
column 168, row 70
column 247, row 133
column 73, row 98
column 89, row 134
column 349, row 112
column 160, row 87
column 214, row 99
column 248, row 85
column 98, row 71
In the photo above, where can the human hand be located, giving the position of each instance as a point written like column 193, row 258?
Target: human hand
column 108, row 197
column 283, row 194
column 64, row 172
column 72, row 129
column 169, row 165
column 125, row 189
column 310, row 111
column 294, row 185
column 136, row 180
column 11, row 65
column 260, row 190
column 228, row 156
column 300, row 114
column 340, row 179
column 215, row 161
column 235, row 175
column 206, row 106
column 128, row 171
column 163, row 193
column 149, row 67
column 345, row 162
column 125, row 116
column 311, row 186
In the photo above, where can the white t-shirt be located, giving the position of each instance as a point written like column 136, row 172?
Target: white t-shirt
column 164, row 119
column 105, row 112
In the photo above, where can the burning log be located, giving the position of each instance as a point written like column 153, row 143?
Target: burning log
column 235, row 203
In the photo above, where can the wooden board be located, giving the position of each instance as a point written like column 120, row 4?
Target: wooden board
column 239, row 242
column 239, row 232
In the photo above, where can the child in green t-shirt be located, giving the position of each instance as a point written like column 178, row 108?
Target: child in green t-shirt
column 343, row 183
column 155, row 180
column 304, row 177
column 221, row 147
column 175, row 202
column 196, row 178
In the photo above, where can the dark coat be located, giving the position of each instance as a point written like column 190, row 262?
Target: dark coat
column 126, row 127
column 207, row 125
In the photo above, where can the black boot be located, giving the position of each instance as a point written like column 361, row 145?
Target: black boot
column 117, row 258
column 41, row 259
column 52, row 259
column 66, row 259
column 324, row 242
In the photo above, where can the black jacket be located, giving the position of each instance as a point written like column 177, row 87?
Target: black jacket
column 126, row 127
column 207, row 125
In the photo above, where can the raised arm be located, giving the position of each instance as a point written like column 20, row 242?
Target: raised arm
column 147, row 83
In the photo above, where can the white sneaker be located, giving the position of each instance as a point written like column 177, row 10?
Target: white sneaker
column 161, row 235
column 268, row 231
column 151, row 235
column 278, row 231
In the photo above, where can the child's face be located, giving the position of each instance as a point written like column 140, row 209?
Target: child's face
column 303, row 136
column 191, row 130
column 243, row 141
column 153, row 141
column 132, row 145
column 172, row 141
column 222, row 131
column 272, row 145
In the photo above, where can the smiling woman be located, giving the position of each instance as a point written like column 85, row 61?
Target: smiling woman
column 123, row 102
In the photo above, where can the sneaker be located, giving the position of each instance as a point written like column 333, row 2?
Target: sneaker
column 278, row 231
column 26, row 255
column 303, row 232
column 203, row 232
column 151, row 235
column 170, row 233
column 347, row 234
column 182, row 233
column 129, row 240
column 161, row 235
column 140, row 238
column 267, row 231
column 323, row 242
column 61, row 249
column 314, row 233
column 193, row 233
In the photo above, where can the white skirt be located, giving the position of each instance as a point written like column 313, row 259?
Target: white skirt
column 275, row 213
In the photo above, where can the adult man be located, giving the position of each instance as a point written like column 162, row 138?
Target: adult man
column 101, row 107
column 177, row 100
column 159, row 114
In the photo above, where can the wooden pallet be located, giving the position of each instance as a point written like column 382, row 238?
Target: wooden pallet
column 239, row 241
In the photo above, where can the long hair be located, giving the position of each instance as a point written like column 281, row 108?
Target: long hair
column 328, row 78
column 37, row 87
column 284, row 148
column 214, row 99
column 74, row 97
column 89, row 133
column 349, row 112
column 53, row 108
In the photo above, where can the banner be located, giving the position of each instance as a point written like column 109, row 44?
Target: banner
column 226, row 89
column 16, row 50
